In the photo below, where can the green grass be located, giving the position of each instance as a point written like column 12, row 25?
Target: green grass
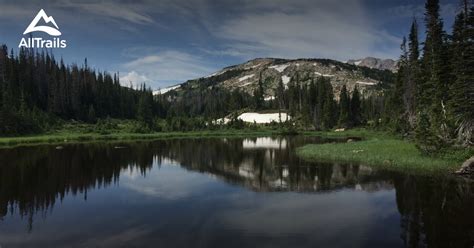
column 377, row 149
column 65, row 137
column 385, row 151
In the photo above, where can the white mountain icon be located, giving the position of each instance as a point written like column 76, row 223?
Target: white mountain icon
column 47, row 19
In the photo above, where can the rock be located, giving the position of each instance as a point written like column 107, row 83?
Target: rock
column 340, row 130
column 467, row 167
column 353, row 139
column 376, row 63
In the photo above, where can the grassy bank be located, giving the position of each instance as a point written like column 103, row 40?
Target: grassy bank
column 120, row 130
column 383, row 150
column 72, row 137
column 377, row 149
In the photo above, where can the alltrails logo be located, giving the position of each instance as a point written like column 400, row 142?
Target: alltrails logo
column 38, row 42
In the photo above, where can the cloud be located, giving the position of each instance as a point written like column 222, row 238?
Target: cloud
column 323, row 28
column 447, row 11
column 17, row 12
column 125, row 12
column 170, row 182
column 133, row 78
column 167, row 67
column 310, row 215
column 133, row 13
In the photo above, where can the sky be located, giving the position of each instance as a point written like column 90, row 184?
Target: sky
column 166, row 42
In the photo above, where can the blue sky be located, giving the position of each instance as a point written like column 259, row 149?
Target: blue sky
column 164, row 42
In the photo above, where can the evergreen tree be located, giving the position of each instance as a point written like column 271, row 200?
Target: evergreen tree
column 280, row 95
column 144, row 112
column 436, row 73
column 355, row 107
column 259, row 94
column 397, row 109
column 344, row 108
column 91, row 115
column 411, row 87
column 462, row 89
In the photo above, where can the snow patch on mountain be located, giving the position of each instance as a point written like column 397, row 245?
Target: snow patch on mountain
column 366, row 83
column 246, row 77
column 285, row 79
column 324, row 75
column 165, row 90
column 279, row 68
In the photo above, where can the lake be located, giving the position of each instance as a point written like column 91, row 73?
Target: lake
column 221, row 192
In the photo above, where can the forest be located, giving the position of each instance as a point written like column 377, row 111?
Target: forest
column 430, row 100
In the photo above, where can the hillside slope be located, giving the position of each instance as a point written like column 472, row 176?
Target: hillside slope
column 245, row 76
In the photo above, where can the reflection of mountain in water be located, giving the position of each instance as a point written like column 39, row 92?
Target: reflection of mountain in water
column 270, row 164
column 429, row 207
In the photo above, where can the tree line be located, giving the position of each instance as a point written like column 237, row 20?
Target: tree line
column 36, row 90
column 433, row 98
column 308, row 99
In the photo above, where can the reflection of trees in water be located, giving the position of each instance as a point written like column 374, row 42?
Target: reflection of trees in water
column 270, row 169
column 32, row 179
column 435, row 212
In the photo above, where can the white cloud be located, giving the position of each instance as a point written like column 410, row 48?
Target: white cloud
column 323, row 28
column 169, row 67
column 133, row 78
column 14, row 11
column 128, row 12
column 169, row 182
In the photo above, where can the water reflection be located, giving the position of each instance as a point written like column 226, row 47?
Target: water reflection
column 241, row 187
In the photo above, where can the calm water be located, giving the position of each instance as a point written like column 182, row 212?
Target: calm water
column 221, row 193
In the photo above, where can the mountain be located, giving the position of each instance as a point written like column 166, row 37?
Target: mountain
column 245, row 76
column 375, row 63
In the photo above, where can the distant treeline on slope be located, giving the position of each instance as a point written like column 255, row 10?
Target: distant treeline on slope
column 36, row 89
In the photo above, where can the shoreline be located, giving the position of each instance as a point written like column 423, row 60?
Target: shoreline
column 64, row 137
column 377, row 149
column 74, row 138
column 388, row 153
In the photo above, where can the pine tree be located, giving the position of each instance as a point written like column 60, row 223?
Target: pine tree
column 280, row 95
column 259, row 94
column 326, row 107
column 3, row 72
column 344, row 108
column 91, row 115
column 144, row 112
column 462, row 89
column 434, row 89
column 355, row 107
column 411, row 87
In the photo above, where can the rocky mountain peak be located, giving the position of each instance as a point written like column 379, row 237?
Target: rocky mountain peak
column 375, row 63
column 271, row 71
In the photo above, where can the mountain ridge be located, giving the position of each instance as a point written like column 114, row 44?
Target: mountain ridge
column 376, row 63
column 245, row 76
